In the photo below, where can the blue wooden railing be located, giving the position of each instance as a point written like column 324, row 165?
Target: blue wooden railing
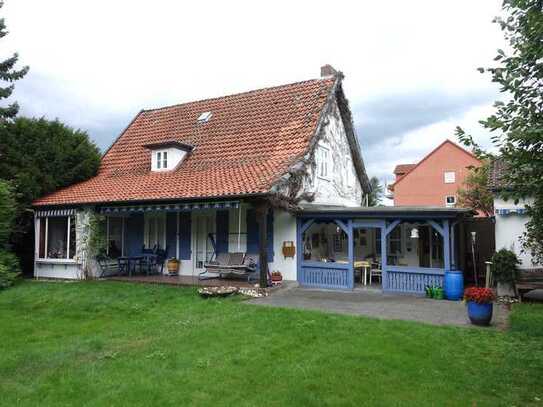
column 326, row 275
column 411, row 279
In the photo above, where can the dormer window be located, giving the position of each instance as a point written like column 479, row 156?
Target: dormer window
column 168, row 155
column 162, row 160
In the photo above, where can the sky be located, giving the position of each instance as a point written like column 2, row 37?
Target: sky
column 410, row 67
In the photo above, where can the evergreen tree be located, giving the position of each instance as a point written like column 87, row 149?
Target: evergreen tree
column 375, row 197
column 8, row 73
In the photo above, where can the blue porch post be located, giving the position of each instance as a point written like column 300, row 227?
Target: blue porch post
column 350, row 252
column 299, row 250
column 446, row 245
column 453, row 249
column 384, row 276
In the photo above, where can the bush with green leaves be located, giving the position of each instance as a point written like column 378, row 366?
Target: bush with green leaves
column 7, row 212
column 9, row 269
column 505, row 266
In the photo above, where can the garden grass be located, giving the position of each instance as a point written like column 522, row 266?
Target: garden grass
column 116, row 344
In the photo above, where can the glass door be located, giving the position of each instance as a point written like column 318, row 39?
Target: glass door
column 203, row 231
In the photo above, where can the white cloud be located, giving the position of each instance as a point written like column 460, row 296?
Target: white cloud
column 95, row 64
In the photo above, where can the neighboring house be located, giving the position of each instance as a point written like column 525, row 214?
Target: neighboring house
column 203, row 178
column 435, row 179
column 510, row 217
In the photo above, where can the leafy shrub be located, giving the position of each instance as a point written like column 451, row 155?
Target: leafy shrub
column 505, row 266
column 9, row 269
column 7, row 212
column 479, row 294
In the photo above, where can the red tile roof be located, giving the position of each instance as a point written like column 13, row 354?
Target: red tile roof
column 251, row 140
column 402, row 169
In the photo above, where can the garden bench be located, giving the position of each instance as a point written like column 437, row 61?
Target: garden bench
column 528, row 281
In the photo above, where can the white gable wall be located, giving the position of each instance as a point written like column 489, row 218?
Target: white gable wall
column 509, row 229
column 340, row 186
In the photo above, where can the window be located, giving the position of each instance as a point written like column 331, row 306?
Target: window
column 450, row 200
column 322, row 163
column 449, row 177
column 115, row 237
column 158, row 159
column 57, row 238
column 325, row 242
column 165, row 159
column 155, row 230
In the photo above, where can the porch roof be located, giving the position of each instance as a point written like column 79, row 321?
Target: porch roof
column 411, row 212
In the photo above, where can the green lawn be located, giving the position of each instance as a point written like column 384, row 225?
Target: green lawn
column 120, row 344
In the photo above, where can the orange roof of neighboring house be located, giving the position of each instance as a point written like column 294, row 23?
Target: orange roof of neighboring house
column 402, row 169
column 414, row 166
column 250, row 141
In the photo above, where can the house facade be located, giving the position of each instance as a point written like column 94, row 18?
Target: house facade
column 435, row 179
column 510, row 217
column 251, row 173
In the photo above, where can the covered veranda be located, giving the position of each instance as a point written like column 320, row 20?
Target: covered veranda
column 397, row 249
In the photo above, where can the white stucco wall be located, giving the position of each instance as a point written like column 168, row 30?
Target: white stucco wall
column 342, row 186
column 284, row 230
column 509, row 229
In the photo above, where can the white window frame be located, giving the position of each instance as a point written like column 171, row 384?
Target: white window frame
column 160, row 160
column 450, row 205
column 46, row 240
column 155, row 217
column 449, row 177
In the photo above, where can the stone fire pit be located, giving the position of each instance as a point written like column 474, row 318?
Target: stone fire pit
column 207, row 292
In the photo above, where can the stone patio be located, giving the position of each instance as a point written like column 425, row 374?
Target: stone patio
column 373, row 303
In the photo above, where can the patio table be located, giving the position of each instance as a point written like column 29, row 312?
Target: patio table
column 129, row 263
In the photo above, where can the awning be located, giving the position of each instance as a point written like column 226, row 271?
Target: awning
column 180, row 207
column 55, row 212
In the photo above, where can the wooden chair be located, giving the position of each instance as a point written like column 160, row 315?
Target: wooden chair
column 376, row 271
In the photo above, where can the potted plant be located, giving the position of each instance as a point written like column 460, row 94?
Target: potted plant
column 276, row 277
column 479, row 302
column 173, row 266
column 504, row 269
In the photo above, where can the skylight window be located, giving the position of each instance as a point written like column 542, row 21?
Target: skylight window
column 204, row 117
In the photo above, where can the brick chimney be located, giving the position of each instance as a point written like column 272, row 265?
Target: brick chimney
column 328, row 70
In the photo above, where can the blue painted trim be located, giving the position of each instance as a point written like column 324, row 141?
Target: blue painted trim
column 342, row 225
column 453, row 248
column 354, row 215
column 325, row 265
column 350, row 252
column 416, row 270
column 391, row 226
column 171, row 233
column 185, row 225
column 436, row 226
column 446, row 245
column 299, row 251
column 369, row 224
column 306, row 225
column 384, row 251
column 269, row 229
column 252, row 231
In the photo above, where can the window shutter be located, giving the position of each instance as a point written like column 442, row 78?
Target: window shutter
column 184, row 235
column 171, row 231
column 252, row 233
column 222, row 225
column 134, row 234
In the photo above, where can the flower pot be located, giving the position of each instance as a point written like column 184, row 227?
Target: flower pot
column 480, row 314
column 173, row 266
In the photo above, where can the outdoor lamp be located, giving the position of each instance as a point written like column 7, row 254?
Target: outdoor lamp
column 414, row 233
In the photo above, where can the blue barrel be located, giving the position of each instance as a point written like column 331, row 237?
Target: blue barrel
column 454, row 285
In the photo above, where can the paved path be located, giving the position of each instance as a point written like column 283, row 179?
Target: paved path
column 377, row 305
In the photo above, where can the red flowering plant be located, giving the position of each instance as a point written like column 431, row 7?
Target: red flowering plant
column 479, row 295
